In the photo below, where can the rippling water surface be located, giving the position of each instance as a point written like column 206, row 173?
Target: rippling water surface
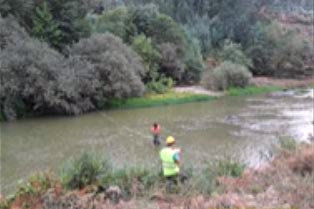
column 244, row 128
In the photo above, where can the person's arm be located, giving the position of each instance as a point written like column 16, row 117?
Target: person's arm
column 176, row 158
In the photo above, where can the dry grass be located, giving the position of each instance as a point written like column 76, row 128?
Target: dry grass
column 285, row 182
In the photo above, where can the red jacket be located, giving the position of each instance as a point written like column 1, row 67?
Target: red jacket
column 154, row 130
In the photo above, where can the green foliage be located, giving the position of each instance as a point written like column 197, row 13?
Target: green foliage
column 158, row 100
column 193, row 60
column 232, row 52
column 11, row 32
column 228, row 75
column 44, row 26
column 206, row 181
column 251, row 90
column 277, row 53
column 162, row 43
column 143, row 46
column 160, row 86
column 119, row 67
column 83, row 171
column 37, row 79
column 171, row 63
column 164, row 29
column 21, row 9
column 65, row 25
column 229, row 168
column 117, row 22
column 287, row 143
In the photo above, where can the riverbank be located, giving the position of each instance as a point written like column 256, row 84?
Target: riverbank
column 187, row 94
column 152, row 100
column 285, row 182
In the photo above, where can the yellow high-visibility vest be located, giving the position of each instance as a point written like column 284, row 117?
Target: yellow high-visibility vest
column 170, row 168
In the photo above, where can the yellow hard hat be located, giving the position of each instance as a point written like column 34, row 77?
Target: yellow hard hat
column 170, row 140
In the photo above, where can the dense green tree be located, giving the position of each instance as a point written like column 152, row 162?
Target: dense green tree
column 150, row 55
column 233, row 52
column 45, row 27
column 120, row 69
column 276, row 52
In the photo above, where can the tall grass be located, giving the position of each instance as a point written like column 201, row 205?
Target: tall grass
column 83, row 171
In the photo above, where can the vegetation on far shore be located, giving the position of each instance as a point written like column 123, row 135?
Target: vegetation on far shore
column 252, row 90
column 69, row 57
column 152, row 100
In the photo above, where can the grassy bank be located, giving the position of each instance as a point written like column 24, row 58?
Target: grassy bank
column 153, row 100
column 91, row 182
column 252, row 90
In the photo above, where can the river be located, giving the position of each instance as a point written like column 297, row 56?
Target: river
column 242, row 128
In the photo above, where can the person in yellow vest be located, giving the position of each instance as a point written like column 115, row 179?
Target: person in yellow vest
column 170, row 158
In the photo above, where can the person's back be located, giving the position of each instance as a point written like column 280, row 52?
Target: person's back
column 155, row 130
column 170, row 162
column 168, row 158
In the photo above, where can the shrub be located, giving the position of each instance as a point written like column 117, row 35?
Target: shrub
column 120, row 68
column 232, row 52
column 83, row 171
column 170, row 62
column 29, row 76
column 160, row 86
column 276, row 52
column 230, row 75
column 21, row 9
column 37, row 79
column 11, row 32
column 287, row 143
column 229, row 168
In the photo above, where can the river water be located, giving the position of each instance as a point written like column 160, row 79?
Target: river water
column 243, row 128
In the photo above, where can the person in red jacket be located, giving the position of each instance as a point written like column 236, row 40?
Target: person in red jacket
column 155, row 130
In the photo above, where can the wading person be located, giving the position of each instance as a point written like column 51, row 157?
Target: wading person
column 170, row 158
column 155, row 130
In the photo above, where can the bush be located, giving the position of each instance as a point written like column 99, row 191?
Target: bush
column 37, row 79
column 229, row 75
column 171, row 63
column 229, row 168
column 29, row 78
column 232, row 52
column 119, row 67
column 11, row 32
column 160, row 86
column 287, row 143
column 276, row 52
column 83, row 171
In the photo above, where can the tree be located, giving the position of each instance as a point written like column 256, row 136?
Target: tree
column 120, row 69
column 144, row 47
column 45, row 27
